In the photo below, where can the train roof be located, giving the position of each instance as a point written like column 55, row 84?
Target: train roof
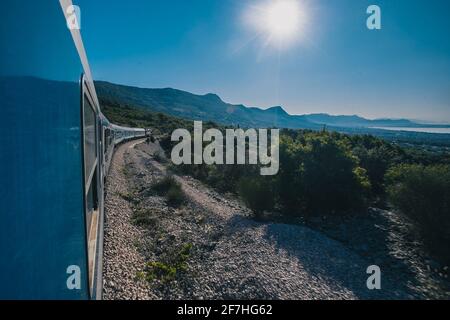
column 116, row 127
column 76, row 35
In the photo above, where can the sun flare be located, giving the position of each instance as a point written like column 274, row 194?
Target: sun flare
column 280, row 22
column 282, row 19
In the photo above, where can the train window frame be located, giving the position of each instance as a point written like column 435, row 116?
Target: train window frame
column 91, row 183
column 89, row 175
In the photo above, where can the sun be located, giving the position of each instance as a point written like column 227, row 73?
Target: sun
column 279, row 22
column 283, row 19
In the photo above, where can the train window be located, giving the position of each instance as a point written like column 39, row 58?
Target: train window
column 106, row 147
column 90, row 138
column 91, row 151
column 90, row 206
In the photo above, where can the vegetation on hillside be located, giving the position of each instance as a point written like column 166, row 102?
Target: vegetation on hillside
column 210, row 107
column 127, row 115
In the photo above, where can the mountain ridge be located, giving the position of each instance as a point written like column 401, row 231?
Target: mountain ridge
column 211, row 107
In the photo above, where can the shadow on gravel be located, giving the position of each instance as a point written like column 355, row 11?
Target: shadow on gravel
column 323, row 258
column 386, row 239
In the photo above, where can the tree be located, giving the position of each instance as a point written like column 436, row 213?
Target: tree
column 257, row 194
column 423, row 194
column 318, row 174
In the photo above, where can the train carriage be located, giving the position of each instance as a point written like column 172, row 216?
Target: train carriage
column 56, row 147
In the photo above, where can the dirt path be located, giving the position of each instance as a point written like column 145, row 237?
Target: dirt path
column 231, row 256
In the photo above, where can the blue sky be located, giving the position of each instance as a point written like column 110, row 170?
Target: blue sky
column 338, row 67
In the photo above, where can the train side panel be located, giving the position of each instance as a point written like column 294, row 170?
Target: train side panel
column 42, row 227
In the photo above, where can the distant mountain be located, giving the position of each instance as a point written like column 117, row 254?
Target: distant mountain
column 207, row 107
column 356, row 121
column 211, row 107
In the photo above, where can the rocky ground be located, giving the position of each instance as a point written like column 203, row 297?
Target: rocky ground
column 389, row 241
column 210, row 248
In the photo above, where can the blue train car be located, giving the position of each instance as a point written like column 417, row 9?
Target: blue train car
column 55, row 148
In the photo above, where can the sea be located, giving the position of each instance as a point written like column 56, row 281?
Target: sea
column 427, row 130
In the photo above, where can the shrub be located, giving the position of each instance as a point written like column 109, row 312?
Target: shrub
column 130, row 197
column 319, row 175
column 423, row 194
column 166, row 144
column 175, row 262
column 183, row 256
column 144, row 218
column 257, row 194
column 160, row 270
column 164, row 185
column 175, row 196
column 332, row 180
column 289, row 179
column 160, row 157
column 376, row 162
column 171, row 189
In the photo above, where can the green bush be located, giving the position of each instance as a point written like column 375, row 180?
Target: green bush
column 175, row 196
column 257, row 194
column 332, row 179
column 376, row 163
column 319, row 175
column 144, row 218
column 423, row 194
column 289, row 187
column 161, row 271
column 164, row 185
column 174, row 263
column 171, row 189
